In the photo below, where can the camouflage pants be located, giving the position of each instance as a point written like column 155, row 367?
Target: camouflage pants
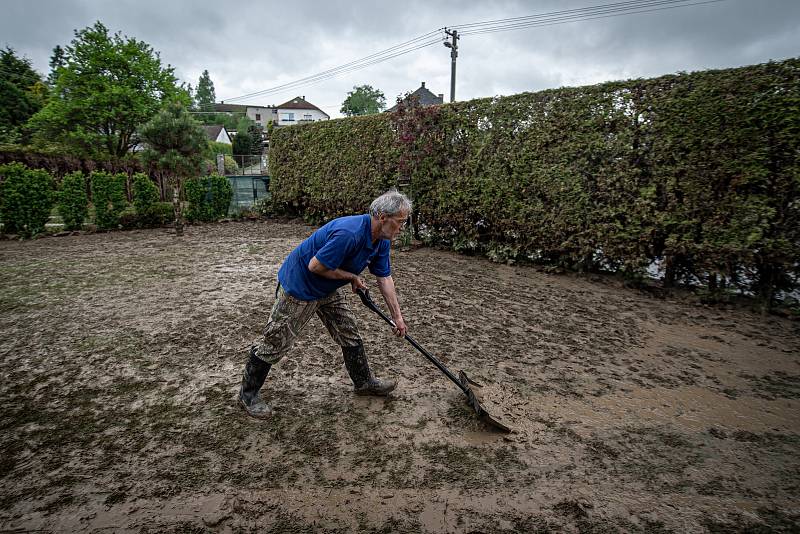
column 289, row 315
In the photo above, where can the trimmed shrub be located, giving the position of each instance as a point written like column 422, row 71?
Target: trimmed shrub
column 145, row 200
column 209, row 198
column 231, row 167
column 26, row 199
column 73, row 202
column 164, row 213
column 215, row 148
column 108, row 197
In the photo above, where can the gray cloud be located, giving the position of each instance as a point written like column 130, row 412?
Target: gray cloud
column 249, row 46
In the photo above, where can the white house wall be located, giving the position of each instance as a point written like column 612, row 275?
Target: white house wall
column 299, row 116
column 260, row 116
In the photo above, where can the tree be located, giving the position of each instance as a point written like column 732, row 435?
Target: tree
column 243, row 144
column 256, row 139
column 363, row 100
column 175, row 145
column 204, row 94
column 57, row 61
column 22, row 94
column 108, row 87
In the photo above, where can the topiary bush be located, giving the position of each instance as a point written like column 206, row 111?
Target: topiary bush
column 108, row 197
column 209, row 198
column 145, row 200
column 26, row 199
column 73, row 202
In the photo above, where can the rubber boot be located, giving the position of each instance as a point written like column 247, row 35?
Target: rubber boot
column 355, row 359
column 255, row 372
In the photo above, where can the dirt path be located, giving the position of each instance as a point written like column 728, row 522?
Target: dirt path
column 121, row 357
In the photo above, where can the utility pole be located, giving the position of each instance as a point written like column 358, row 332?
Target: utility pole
column 453, row 46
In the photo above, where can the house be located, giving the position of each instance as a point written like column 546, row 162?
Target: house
column 299, row 111
column 261, row 115
column 425, row 98
column 217, row 133
column 296, row 111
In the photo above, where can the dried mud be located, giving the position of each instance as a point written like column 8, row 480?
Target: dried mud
column 122, row 353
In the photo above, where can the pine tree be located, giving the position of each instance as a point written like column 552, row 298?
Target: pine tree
column 204, row 94
column 57, row 60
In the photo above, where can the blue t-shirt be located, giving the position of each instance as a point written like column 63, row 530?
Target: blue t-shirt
column 344, row 243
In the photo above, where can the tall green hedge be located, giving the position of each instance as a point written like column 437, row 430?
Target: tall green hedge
column 26, row 199
column 696, row 173
column 108, row 197
column 209, row 197
column 73, row 202
column 332, row 168
column 145, row 201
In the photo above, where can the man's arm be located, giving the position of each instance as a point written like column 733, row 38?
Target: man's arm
column 386, row 286
column 316, row 267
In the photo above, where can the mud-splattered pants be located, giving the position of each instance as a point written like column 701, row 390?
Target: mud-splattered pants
column 289, row 315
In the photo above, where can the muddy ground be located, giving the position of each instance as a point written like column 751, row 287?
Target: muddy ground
column 121, row 357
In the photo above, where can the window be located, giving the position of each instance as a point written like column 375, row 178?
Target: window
column 288, row 116
column 306, row 117
column 258, row 116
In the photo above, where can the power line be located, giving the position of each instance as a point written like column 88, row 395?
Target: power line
column 319, row 78
column 583, row 11
column 610, row 13
column 389, row 53
column 615, row 9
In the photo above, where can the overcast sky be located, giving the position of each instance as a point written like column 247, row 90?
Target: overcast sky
column 250, row 45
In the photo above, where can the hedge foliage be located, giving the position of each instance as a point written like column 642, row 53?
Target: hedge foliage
column 698, row 174
column 108, row 197
column 26, row 199
column 331, row 168
column 146, row 197
column 209, row 197
column 59, row 162
column 73, row 202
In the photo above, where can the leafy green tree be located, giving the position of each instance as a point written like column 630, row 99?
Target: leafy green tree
column 22, row 94
column 204, row 94
column 363, row 100
column 108, row 87
column 175, row 144
column 243, row 144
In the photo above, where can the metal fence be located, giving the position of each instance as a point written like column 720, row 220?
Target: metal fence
column 254, row 165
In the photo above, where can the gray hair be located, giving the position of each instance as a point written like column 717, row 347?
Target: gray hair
column 391, row 202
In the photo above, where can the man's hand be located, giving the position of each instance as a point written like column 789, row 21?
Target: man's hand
column 357, row 283
column 400, row 327
column 386, row 286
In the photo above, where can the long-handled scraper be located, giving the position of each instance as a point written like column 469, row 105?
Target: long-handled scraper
column 462, row 381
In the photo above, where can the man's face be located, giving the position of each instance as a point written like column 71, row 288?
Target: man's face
column 393, row 224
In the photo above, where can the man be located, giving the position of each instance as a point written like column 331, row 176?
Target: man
column 312, row 279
